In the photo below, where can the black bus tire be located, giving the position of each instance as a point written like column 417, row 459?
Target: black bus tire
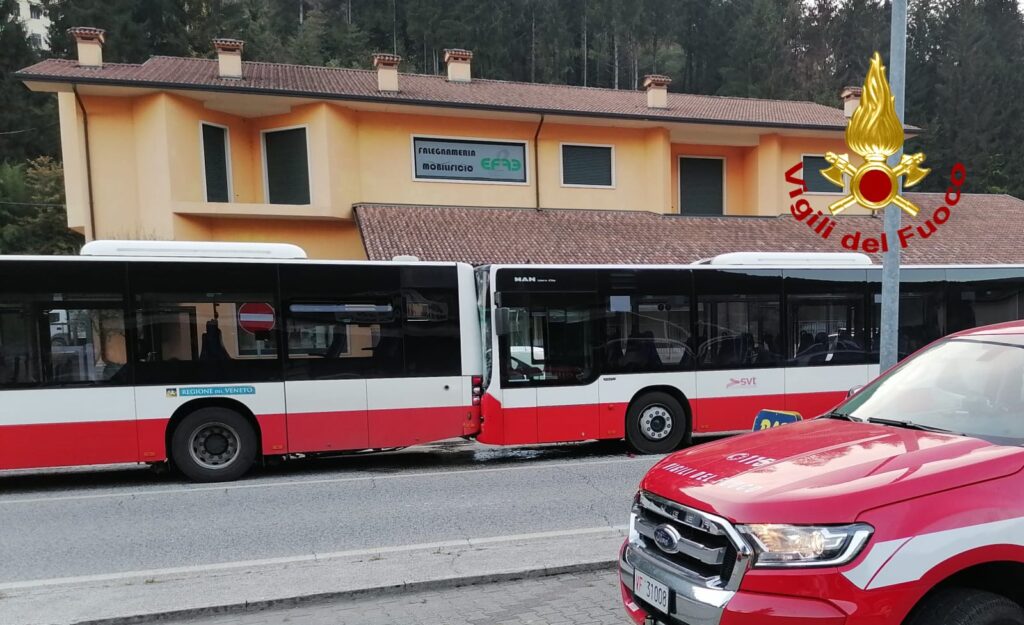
column 214, row 445
column 966, row 606
column 656, row 423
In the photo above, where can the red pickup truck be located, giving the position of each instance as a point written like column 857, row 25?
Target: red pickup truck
column 905, row 504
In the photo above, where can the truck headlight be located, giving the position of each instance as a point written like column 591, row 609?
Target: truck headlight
column 805, row 545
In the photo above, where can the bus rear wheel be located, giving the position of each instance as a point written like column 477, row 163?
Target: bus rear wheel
column 214, row 445
column 656, row 423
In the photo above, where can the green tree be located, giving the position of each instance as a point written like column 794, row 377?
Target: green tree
column 307, row 44
column 28, row 121
column 763, row 49
column 33, row 219
column 262, row 42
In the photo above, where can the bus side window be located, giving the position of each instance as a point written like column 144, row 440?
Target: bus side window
column 432, row 332
column 647, row 333
column 77, row 343
column 826, row 330
column 201, row 337
column 738, row 331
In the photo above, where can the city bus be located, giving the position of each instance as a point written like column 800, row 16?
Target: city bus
column 660, row 354
column 214, row 355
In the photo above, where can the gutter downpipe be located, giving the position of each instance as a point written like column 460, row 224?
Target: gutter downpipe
column 536, row 161
column 91, row 234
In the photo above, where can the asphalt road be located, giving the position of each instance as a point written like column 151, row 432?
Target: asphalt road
column 70, row 523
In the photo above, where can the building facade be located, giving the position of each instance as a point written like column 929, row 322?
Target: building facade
column 37, row 24
column 222, row 149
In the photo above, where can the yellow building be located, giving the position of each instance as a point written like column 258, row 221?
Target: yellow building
column 222, row 149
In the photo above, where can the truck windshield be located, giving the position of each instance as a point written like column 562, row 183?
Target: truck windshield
column 970, row 385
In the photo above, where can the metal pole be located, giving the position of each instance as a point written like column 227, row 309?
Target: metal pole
column 891, row 259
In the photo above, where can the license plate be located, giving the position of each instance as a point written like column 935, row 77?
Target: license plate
column 651, row 591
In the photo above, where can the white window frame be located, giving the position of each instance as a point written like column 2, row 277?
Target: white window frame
column 263, row 157
column 679, row 181
column 227, row 156
column 846, row 179
column 561, row 165
column 526, row 158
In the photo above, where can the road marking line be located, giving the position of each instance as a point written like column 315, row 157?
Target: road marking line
column 338, row 480
column 470, row 543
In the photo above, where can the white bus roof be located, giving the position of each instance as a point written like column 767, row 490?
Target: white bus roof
column 790, row 259
column 192, row 249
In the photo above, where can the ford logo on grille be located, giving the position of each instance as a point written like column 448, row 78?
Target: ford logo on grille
column 667, row 538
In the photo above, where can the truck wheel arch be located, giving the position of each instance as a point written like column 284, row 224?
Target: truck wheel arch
column 998, row 570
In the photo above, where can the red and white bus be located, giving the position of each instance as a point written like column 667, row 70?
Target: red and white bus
column 657, row 354
column 213, row 355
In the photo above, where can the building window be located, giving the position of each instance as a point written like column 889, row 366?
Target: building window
column 701, row 185
column 35, row 12
column 287, row 166
column 816, row 183
column 588, row 166
column 216, row 163
column 36, row 41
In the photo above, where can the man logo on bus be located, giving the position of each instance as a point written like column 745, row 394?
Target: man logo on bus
column 875, row 134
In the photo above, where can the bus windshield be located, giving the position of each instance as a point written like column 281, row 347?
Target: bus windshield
column 969, row 386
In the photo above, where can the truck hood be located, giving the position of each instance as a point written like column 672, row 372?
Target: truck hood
column 824, row 471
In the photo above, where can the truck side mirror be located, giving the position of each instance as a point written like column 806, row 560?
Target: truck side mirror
column 502, row 321
column 853, row 391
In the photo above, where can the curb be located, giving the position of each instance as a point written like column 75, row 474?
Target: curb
column 437, row 584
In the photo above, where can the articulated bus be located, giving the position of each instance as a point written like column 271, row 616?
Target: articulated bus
column 213, row 355
column 660, row 354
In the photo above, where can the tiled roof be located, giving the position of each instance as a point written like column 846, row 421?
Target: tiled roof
column 981, row 229
column 357, row 84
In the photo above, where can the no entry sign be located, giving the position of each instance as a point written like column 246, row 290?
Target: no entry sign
column 256, row 317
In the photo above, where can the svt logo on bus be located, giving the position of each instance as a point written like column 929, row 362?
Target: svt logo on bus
column 741, row 382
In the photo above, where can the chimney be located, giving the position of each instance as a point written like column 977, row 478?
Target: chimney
column 387, row 70
column 229, row 57
column 458, row 61
column 90, row 45
column 851, row 99
column 656, row 86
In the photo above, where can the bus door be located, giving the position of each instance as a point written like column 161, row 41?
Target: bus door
column 342, row 329
column 548, row 366
column 421, row 395
column 827, row 337
column 63, row 350
column 740, row 352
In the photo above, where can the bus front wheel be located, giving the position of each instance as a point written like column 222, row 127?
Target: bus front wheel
column 656, row 423
column 214, row 445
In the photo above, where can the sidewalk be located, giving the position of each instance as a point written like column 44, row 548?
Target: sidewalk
column 195, row 591
column 571, row 599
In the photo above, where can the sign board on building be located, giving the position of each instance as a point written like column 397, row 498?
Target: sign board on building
column 469, row 160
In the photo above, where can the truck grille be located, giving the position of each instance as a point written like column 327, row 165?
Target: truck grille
column 705, row 546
